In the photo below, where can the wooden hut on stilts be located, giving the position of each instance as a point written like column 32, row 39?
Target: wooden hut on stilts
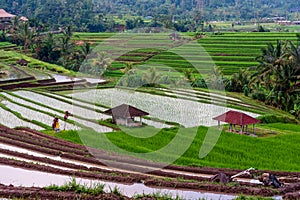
column 125, row 115
column 234, row 118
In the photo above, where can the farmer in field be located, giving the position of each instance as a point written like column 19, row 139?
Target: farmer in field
column 67, row 114
column 270, row 179
column 55, row 124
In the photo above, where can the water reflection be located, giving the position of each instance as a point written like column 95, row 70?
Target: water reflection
column 28, row 178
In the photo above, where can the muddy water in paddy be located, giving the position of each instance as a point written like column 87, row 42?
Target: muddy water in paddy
column 28, row 178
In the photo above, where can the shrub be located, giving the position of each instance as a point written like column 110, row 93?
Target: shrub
column 199, row 82
column 72, row 185
column 259, row 96
column 268, row 119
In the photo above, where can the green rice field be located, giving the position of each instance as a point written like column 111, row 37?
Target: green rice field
column 230, row 51
column 275, row 148
column 280, row 152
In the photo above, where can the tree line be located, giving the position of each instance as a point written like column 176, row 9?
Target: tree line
column 47, row 46
column 106, row 15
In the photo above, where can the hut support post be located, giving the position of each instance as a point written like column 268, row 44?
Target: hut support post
column 140, row 120
column 246, row 129
column 230, row 127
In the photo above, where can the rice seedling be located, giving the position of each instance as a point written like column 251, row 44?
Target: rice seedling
column 74, row 186
column 29, row 110
column 12, row 121
column 57, row 104
column 185, row 112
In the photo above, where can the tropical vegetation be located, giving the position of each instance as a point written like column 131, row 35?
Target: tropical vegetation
column 182, row 15
column 276, row 78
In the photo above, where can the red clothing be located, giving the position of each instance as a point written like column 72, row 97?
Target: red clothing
column 67, row 114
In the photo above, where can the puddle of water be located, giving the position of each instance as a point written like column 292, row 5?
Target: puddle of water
column 60, row 78
column 10, row 120
column 33, row 161
column 95, row 80
column 41, row 155
column 28, row 178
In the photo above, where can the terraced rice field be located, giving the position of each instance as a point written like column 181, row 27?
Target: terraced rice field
column 12, row 121
column 229, row 51
column 49, row 160
column 27, row 153
column 234, row 48
column 186, row 107
column 43, row 109
column 7, row 46
column 12, row 57
column 40, row 108
column 175, row 107
column 38, row 153
column 33, row 111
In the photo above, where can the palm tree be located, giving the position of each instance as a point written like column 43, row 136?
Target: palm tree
column 278, row 72
column 239, row 81
column 85, row 50
column 151, row 77
column 128, row 68
column 100, row 64
column 188, row 74
column 269, row 62
column 268, row 72
column 216, row 79
column 292, row 74
column 25, row 35
column 294, row 56
column 67, row 49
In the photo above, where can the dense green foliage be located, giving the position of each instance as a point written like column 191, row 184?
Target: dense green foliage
column 52, row 48
column 106, row 15
column 275, row 80
column 278, row 76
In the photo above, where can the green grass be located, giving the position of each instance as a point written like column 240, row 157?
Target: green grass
column 281, row 128
column 73, row 186
column 6, row 45
column 239, row 151
column 158, row 196
column 279, row 152
column 69, row 135
column 138, row 140
column 11, row 58
column 242, row 197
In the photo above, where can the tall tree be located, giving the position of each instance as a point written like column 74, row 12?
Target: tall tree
column 25, row 35
column 278, row 74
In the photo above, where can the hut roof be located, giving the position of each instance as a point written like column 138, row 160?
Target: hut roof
column 3, row 14
column 126, row 111
column 238, row 118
